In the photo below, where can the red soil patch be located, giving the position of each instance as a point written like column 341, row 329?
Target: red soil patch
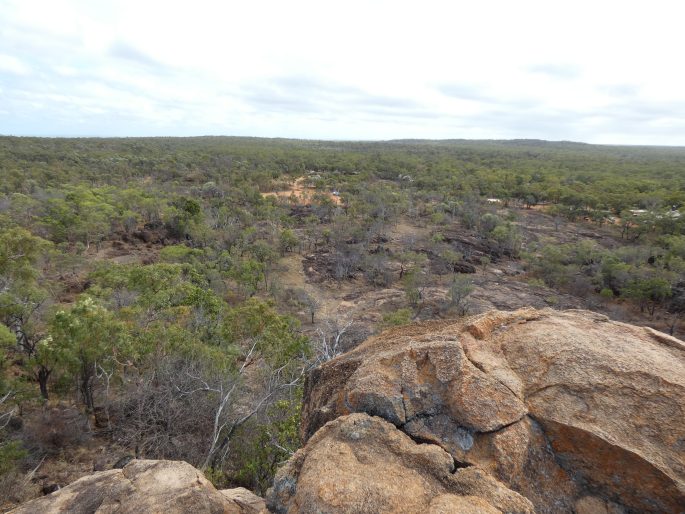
column 300, row 193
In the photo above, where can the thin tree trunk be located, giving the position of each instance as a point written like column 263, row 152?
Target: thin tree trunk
column 42, row 376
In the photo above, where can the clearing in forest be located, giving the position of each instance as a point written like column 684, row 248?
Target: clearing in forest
column 303, row 193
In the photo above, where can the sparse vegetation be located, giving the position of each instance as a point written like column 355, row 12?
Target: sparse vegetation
column 159, row 292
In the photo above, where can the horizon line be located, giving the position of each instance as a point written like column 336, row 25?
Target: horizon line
column 338, row 140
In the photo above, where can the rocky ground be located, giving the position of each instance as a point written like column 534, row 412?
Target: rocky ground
column 503, row 284
column 145, row 487
column 571, row 411
column 527, row 411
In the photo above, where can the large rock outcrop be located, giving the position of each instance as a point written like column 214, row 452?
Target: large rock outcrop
column 517, row 412
column 144, row 487
column 571, row 410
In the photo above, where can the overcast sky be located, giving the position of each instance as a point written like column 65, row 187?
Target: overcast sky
column 599, row 72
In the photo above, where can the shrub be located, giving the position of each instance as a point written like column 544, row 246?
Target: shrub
column 397, row 318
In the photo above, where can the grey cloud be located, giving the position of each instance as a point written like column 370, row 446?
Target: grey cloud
column 386, row 102
column 556, row 70
column 524, row 123
column 307, row 83
column 587, row 125
column 464, row 92
column 479, row 93
column 277, row 96
column 627, row 112
column 644, row 112
column 293, row 94
column 395, row 114
column 622, row 90
column 123, row 50
column 283, row 103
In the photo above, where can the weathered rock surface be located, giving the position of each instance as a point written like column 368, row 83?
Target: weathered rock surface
column 360, row 463
column 141, row 487
column 246, row 499
column 517, row 412
column 569, row 409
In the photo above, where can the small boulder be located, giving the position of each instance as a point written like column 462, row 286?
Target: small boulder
column 140, row 487
column 49, row 488
column 246, row 499
column 122, row 462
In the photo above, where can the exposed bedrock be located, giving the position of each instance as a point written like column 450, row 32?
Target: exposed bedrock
column 572, row 411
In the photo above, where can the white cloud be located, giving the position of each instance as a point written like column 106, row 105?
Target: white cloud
column 591, row 71
column 13, row 66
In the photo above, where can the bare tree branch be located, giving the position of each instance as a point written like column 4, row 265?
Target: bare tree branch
column 6, row 417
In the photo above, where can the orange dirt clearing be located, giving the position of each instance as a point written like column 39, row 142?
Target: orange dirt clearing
column 302, row 194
